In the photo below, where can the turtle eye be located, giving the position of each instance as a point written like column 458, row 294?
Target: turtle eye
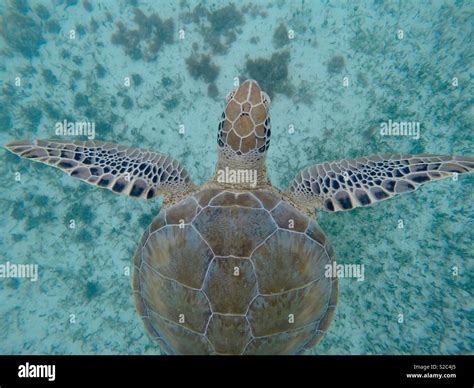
column 266, row 100
column 230, row 95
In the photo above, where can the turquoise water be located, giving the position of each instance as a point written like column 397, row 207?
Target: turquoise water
column 347, row 69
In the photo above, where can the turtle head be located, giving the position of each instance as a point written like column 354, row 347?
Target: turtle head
column 244, row 129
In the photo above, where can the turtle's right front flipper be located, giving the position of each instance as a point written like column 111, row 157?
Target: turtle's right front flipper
column 350, row 183
column 124, row 170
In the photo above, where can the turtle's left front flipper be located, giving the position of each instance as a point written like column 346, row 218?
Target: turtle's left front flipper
column 124, row 170
column 351, row 183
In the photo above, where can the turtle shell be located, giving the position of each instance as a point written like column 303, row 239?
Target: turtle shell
column 223, row 272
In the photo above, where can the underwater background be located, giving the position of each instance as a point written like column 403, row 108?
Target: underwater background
column 348, row 67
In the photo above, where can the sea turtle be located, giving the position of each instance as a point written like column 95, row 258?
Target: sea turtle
column 237, row 266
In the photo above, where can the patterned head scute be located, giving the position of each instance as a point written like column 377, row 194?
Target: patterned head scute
column 244, row 129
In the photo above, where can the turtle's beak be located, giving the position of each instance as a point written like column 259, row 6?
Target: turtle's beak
column 249, row 91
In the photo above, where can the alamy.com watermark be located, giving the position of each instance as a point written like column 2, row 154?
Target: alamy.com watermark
column 400, row 128
column 75, row 128
column 356, row 271
column 237, row 176
column 11, row 270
